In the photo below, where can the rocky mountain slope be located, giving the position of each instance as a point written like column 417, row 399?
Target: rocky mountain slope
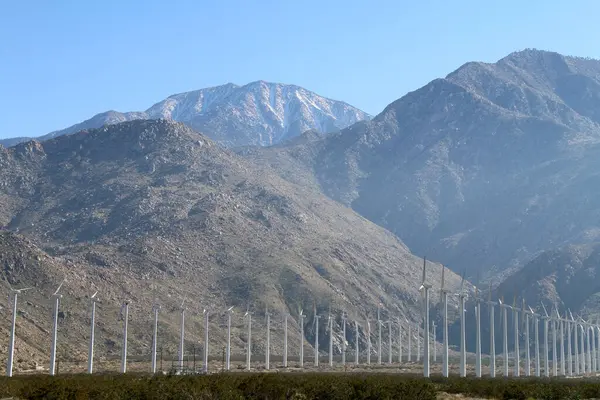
column 153, row 203
column 481, row 170
column 259, row 113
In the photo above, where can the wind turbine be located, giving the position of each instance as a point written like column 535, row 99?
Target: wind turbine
column 589, row 348
column 228, row 349
column 463, row 350
column 285, row 339
column 155, row 309
column 554, row 352
column 538, row 361
column 182, row 335
column 316, row 328
column 526, row 314
column 11, row 343
column 409, row 350
column 477, row 333
column 125, row 316
column 57, row 298
column 569, row 349
column 248, row 315
column 330, row 329
column 93, row 300
column 425, row 289
column 575, row 342
column 444, row 296
column 343, row 338
column 378, row 334
column 399, row 341
column 368, row 341
column 389, row 322
column 268, row 348
column 546, row 359
column 559, row 321
column 301, row 319
column 356, row 344
column 491, row 305
column 503, row 308
column 517, row 351
column 206, row 314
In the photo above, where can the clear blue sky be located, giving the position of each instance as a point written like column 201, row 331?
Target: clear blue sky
column 63, row 61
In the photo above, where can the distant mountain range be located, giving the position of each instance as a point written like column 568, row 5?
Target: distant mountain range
column 259, row 113
column 481, row 170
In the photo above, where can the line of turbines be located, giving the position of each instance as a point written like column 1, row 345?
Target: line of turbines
column 579, row 354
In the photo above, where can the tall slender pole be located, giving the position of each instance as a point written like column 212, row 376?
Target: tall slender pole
column 527, row 346
column 409, row 351
column 92, row 332
column 589, row 350
column 505, row 338
column 330, row 323
column 517, row 350
column 206, row 349
column 285, row 338
column 181, row 339
column 356, row 337
column 368, row 343
column 343, row 339
column 563, row 371
column 569, row 349
column 54, row 335
column 492, row 342
column 426, row 369
column 554, row 349
column 228, row 348
column 390, row 342
column 11, row 343
column 154, row 337
column 593, row 352
column 124, row 349
column 268, row 348
column 445, row 333
column 399, row 342
column 249, row 343
column 463, row 348
column 538, row 361
column 378, row 339
column 477, row 339
column 546, row 344
column 576, row 345
column 316, row 362
column 301, row 318
column 434, row 326
column 418, row 343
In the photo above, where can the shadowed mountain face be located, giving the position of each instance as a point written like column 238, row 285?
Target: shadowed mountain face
column 481, row 170
column 144, row 202
column 259, row 113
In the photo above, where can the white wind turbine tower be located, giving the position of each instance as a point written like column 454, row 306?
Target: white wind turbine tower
column 155, row 310
column 525, row 314
column 491, row 305
column 285, row 339
column 409, row 334
column 585, row 326
column 444, row 296
column 268, row 347
column 330, row 329
column 389, row 322
column 356, row 344
column 125, row 316
column 228, row 348
column 344, row 338
column 463, row 350
column 399, row 341
column 554, row 352
column 379, row 323
column 316, row 328
column 503, row 308
column 575, row 342
column 517, row 372
column 546, row 358
column 301, row 319
column 205, row 366
column 93, row 300
column 181, row 335
column 11, row 343
column 477, row 333
column 583, row 351
column 368, row 341
column 569, row 349
column 57, row 298
column 425, row 289
column 593, row 348
column 559, row 321
column 248, row 315
column 538, row 361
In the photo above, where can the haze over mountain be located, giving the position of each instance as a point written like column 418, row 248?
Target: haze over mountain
column 143, row 202
column 259, row 113
column 481, row 170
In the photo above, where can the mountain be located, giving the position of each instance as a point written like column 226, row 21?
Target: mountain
column 259, row 113
column 152, row 203
column 481, row 170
